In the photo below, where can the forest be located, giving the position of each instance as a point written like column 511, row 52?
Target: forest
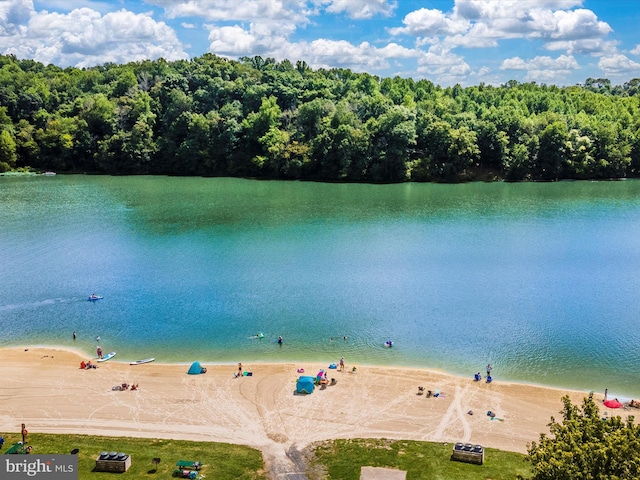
column 255, row 117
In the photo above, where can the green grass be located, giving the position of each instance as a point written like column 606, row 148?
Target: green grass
column 336, row 459
column 342, row 459
column 221, row 460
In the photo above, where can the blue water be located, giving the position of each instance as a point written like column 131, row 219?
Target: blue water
column 541, row 280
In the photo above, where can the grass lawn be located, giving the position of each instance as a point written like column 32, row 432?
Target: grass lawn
column 336, row 459
column 342, row 459
column 220, row 460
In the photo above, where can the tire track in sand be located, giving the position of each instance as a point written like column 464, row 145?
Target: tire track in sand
column 453, row 415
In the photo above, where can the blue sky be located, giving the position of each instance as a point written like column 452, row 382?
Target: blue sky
column 560, row 42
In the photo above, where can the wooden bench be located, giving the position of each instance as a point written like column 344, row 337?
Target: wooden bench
column 468, row 453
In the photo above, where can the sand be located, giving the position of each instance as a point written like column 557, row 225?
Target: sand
column 45, row 389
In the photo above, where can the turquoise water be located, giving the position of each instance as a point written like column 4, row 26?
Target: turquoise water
column 541, row 280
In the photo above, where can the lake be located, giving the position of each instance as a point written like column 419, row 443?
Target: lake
column 539, row 279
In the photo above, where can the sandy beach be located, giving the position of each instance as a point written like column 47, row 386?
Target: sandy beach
column 46, row 389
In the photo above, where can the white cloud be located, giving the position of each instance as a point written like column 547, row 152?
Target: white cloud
column 13, row 16
column 479, row 9
column 619, row 65
column 84, row 37
column 563, row 62
column 484, row 23
column 297, row 11
column 591, row 46
column 429, row 22
column 361, row 9
column 234, row 41
column 292, row 11
column 514, row 63
column 542, row 68
column 443, row 65
column 636, row 50
column 577, row 24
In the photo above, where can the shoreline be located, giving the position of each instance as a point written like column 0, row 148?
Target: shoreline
column 46, row 389
column 622, row 396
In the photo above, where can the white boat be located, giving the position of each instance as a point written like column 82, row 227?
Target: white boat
column 93, row 297
column 49, row 174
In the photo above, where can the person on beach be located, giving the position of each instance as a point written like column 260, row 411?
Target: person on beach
column 99, row 351
column 239, row 369
column 606, row 391
column 489, row 368
column 342, row 364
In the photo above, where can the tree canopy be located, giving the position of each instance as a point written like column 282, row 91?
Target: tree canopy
column 587, row 446
column 261, row 118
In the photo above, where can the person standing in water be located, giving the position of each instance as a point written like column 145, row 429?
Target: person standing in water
column 99, row 351
column 280, row 340
column 74, row 335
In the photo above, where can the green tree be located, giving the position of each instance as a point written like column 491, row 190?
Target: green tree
column 552, row 155
column 393, row 137
column 257, row 125
column 27, row 147
column 8, row 154
column 584, row 446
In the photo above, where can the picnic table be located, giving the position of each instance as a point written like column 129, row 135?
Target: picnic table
column 16, row 448
column 182, row 464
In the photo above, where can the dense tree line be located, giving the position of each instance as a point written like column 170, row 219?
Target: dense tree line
column 260, row 118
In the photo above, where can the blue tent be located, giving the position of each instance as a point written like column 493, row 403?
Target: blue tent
column 305, row 385
column 196, row 369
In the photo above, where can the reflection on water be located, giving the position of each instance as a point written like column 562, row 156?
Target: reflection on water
column 538, row 279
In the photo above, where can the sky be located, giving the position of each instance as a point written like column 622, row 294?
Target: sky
column 560, row 42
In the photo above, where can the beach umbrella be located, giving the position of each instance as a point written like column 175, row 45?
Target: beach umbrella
column 613, row 404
